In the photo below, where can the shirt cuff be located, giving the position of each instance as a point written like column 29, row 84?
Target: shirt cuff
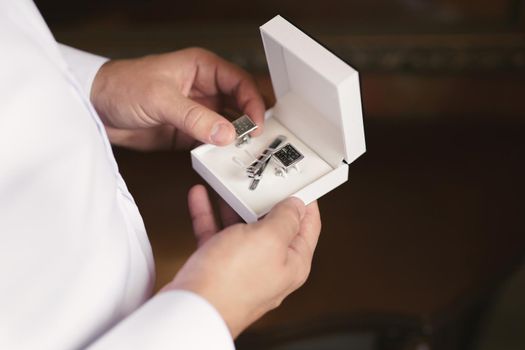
column 170, row 320
column 83, row 65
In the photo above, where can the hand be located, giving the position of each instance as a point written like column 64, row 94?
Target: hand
column 170, row 100
column 247, row 270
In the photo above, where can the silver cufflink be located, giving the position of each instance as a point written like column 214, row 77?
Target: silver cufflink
column 243, row 127
column 287, row 157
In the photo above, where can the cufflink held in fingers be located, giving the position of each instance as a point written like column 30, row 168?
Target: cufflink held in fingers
column 243, row 127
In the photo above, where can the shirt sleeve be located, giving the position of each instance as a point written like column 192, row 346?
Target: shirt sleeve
column 84, row 65
column 170, row 320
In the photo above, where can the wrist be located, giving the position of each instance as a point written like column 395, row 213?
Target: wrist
column 99, row 87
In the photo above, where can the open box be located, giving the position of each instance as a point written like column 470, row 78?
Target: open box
column 318, row 109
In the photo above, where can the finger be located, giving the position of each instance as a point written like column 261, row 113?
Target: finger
column 306, row 240
column 198, row 121
column 201, row 213
column 228, row 215
column 302, row 247
column 284, row 220
column 250, row 103
column 237, row 83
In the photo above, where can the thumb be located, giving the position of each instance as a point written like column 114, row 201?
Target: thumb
column 284, row 220
column 199, row 122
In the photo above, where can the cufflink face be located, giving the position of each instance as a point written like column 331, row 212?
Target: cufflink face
column 288, row 156
column 243, row 126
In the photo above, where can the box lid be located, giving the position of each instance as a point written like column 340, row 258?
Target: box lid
column 318, row 96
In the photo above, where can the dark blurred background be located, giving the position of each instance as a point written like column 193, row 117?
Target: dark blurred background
column 423, row 247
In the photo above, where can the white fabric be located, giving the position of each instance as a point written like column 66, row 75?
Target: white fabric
column 74, row 256
column 164, row 312
column 83, row 65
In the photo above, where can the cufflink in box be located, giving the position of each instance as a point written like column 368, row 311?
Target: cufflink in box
column 318, row 111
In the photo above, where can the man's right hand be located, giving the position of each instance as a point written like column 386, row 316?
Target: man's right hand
column 172, row 100
column 246, row 270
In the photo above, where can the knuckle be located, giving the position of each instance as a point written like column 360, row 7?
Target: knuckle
column 276, row 302
column 300, row 281
column 200, row 52
column 196, row 50
column 288, row 214
column 302, row 275
column 192, row 116
column 318, row 224
column 294, row 211
column 305, row 274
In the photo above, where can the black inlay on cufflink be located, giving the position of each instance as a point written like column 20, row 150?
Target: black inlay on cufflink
column 288, row 155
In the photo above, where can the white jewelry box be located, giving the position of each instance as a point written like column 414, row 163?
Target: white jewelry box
column 318, row 109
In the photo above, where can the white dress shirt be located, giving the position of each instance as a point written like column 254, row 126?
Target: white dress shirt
column 76, row 266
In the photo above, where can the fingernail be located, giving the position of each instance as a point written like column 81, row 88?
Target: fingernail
column 221, row 134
